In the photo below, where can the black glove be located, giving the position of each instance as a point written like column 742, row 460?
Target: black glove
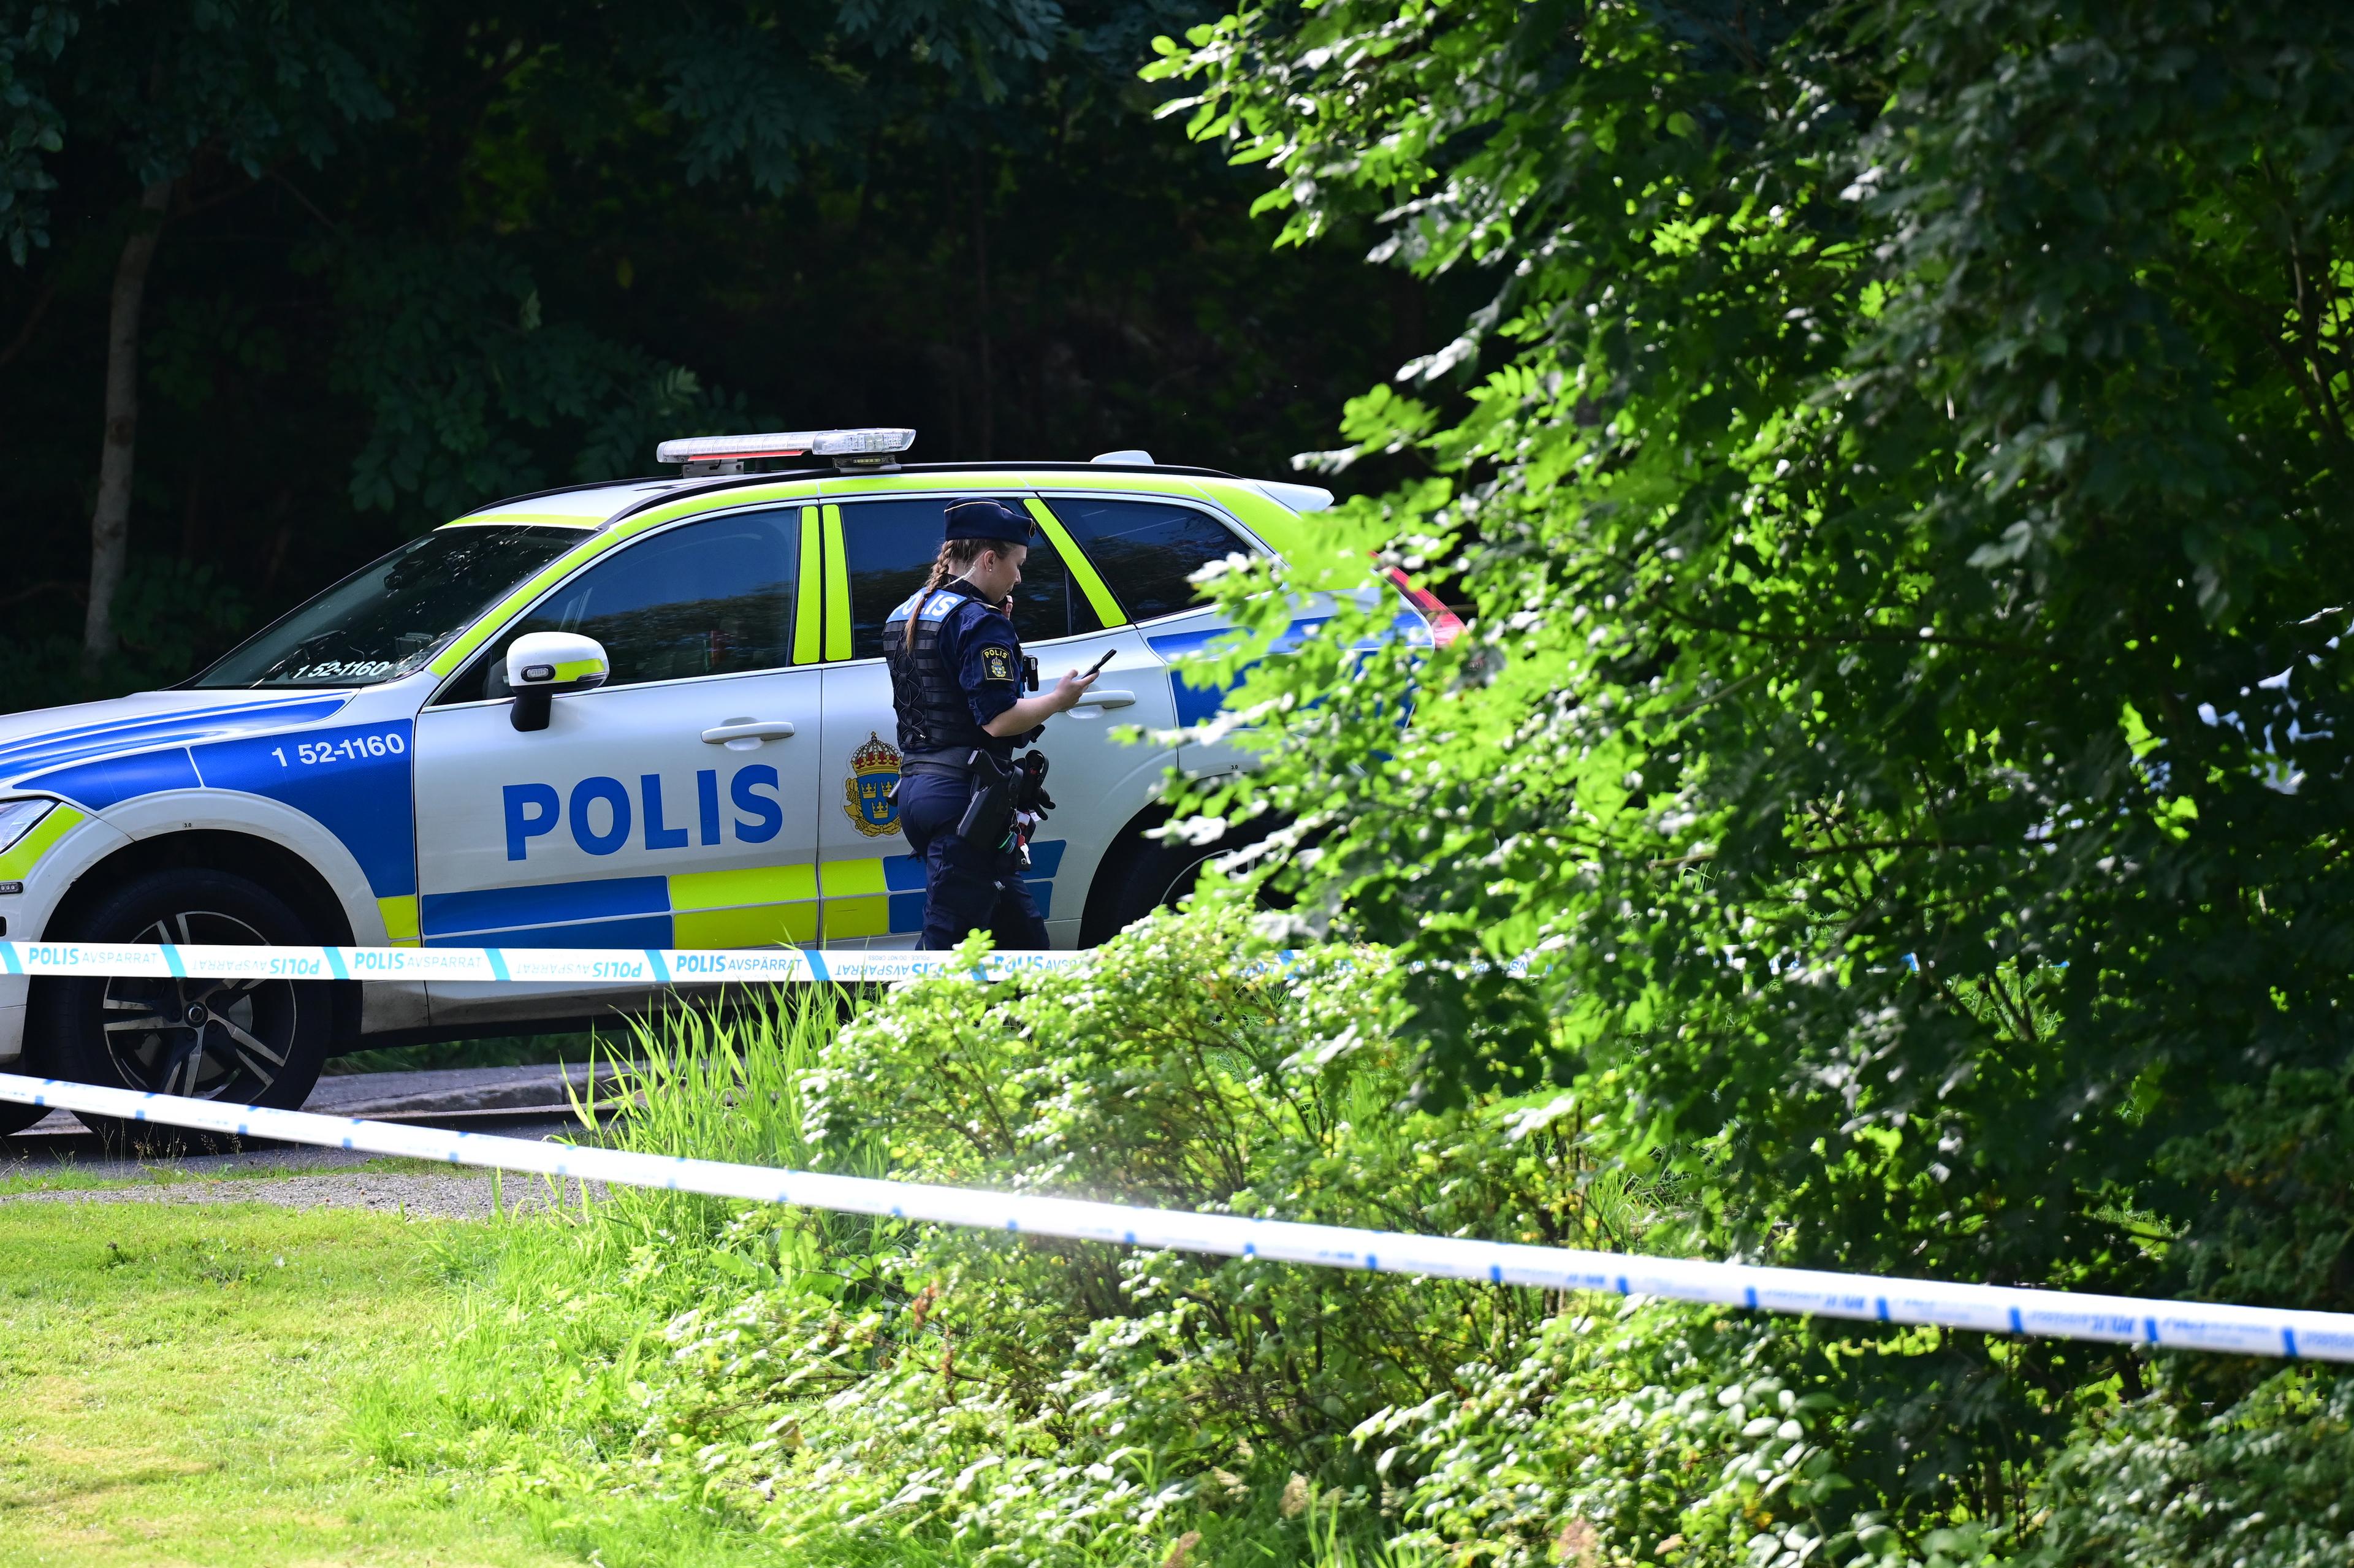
column 1030, row 785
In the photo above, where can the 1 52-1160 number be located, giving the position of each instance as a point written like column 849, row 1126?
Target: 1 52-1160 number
column 350, row 748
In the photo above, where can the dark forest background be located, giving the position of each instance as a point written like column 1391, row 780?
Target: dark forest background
column 407, row 256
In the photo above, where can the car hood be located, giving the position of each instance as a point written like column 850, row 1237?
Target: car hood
column 47, row 749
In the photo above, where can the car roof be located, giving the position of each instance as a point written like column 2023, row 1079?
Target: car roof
column 594, row 505
column 575, row 505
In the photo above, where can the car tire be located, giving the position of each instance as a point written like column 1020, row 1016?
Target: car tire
column 244, row 1042
column 1145, row 874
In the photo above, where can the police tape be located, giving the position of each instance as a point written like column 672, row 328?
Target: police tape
column 1986, row 1308
column 589, row 966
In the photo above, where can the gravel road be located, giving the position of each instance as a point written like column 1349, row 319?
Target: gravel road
column 430, row 1195
column 513, row 1102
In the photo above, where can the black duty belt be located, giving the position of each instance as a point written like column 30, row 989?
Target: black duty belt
column 955, row 764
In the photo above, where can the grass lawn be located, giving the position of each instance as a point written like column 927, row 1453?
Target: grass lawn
column 173, row 1380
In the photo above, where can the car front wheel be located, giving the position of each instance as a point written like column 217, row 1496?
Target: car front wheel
column 246, row 1042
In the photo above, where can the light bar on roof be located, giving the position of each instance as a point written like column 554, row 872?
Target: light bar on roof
column 853, row 443
column 785, row 443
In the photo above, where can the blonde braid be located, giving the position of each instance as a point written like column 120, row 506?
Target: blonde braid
column 954, row 557
column 956, row 554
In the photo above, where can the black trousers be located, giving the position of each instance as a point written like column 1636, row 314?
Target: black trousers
column 966, row 888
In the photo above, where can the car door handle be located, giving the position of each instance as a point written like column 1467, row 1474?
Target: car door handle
column 753, row 731
column 1106, row 700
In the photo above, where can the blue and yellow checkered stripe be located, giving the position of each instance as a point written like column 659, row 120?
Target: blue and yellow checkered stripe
column 842, row 900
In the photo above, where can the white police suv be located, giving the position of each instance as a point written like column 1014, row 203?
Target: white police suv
column 648, row 714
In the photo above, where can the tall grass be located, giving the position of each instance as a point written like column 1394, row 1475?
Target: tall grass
column 725, row 1084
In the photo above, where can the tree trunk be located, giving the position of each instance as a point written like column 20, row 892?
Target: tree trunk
column 109, row 520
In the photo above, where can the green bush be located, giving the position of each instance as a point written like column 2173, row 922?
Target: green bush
column 2257, row 1482
column 1665, row 1432
column 843, row 1388
column 1048, row 1401
column 665, row 1377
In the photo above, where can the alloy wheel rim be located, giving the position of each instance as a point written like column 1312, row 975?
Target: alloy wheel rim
column 204, row 1039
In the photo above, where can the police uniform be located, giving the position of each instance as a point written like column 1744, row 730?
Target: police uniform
column 957, row 669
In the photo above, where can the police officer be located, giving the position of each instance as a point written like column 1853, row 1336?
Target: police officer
column 957, row 685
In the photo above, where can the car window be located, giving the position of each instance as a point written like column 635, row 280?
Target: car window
column 1146, row 550
column 714, row 597
column 890, row 545
column 392, row 616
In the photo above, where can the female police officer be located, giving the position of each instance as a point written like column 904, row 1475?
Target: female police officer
column 957, row 684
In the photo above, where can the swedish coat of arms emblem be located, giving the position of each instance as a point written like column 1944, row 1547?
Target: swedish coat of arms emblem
column 866, row 793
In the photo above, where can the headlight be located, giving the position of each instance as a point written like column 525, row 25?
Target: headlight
column 19, row 818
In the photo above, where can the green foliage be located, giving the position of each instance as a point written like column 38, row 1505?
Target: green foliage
column 170, row 615
column 461, row 374
column 166, row 87
column 1634, row 1433
column 1898, row 477
column 2289, row 1233
column 31, row 38
column 2257, row 1483
column 658, row 1375
column 858, row 1390
column 200, row 344
column 752, row 90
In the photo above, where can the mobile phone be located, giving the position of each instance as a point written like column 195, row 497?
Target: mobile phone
column 1101, row 662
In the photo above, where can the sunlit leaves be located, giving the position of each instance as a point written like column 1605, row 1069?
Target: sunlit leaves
column 1875, row 401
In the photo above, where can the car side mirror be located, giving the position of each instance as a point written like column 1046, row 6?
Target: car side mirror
column 544, row 665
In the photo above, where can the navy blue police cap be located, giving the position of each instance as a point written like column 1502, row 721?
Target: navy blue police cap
column 986, row 519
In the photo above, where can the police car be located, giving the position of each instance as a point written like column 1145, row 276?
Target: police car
column 646, row 713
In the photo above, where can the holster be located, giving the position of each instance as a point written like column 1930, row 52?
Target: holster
column 989, row 815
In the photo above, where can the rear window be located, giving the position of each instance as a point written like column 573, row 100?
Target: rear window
column 1146, row 550
column 889, row 547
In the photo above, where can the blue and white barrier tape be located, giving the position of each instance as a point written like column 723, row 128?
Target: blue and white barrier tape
column 2177, row 1324
column 592, row 965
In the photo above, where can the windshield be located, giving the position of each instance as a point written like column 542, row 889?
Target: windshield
column 390, row 617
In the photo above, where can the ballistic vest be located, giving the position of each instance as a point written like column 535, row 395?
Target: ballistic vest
column 934, row 714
